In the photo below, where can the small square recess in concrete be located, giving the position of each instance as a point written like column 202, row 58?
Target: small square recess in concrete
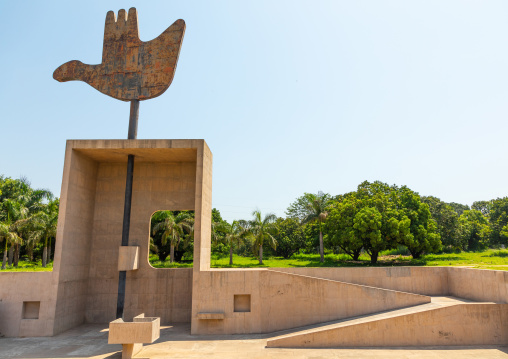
column 31, row 310
column 242, row 302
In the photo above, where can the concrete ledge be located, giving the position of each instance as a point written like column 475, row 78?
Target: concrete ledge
column 210, row 316
column 128, row 258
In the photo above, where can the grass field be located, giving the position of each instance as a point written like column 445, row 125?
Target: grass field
column 26, row 266
column 490, row 259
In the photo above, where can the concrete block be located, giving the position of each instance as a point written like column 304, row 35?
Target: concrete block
column 132, row 335
column 128, row 258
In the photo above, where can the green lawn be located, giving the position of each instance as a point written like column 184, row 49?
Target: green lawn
column 490, row 259
column 26, row 266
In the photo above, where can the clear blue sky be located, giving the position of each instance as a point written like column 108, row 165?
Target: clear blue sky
column 291, row 96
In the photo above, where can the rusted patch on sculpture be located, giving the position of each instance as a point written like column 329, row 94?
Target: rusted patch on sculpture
column 131, row 69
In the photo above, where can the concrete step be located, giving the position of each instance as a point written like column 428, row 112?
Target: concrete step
column 444, row 321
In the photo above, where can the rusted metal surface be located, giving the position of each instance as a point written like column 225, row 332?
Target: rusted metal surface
column 131, row 69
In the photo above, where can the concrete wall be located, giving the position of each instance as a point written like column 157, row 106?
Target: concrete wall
column 168, row 175
column 282, row 300
column 73, row 239
column 19, row 287
column 156, row 186
column 480, row 285
column 420, row 280
column 474, row 284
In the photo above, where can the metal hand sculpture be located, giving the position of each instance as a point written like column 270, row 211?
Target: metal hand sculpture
column 131, row 69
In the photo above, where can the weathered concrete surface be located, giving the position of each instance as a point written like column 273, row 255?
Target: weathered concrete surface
column 142, row 329
column 91, row 341
column 168, row 175
column 131, row 69
column 419, row 280
column 445, row 321
column 282, row 300
column 128, row 258
column 476, row 284
column 19, row 287
column 481, row 285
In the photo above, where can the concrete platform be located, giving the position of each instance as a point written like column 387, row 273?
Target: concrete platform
column 91, row 341
column 446, row 321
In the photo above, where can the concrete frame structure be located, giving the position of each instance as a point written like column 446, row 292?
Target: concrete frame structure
column 177, row 175
column 168, row 175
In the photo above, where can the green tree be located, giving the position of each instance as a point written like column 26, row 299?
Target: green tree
column 498, row 219
column 19, row 203
column 173, row 229
column 234, row 233
column 382, row 197
column 459, row 208
column 482, row 206
column 290, row 237
column 45, row 226
column 312, row 208
column 417, row 230
column 475, row 230
column 339, row 226
column 447, row 222
column 367, row 225
column 261, row 230
column 8, row 236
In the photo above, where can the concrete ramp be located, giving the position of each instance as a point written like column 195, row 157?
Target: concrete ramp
column 293, row 300
column 445, row 321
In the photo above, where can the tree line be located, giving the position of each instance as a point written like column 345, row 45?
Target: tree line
column 28, row 221
column 375, row 217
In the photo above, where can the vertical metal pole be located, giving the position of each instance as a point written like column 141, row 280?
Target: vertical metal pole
column 132, row 135
column 133, row 120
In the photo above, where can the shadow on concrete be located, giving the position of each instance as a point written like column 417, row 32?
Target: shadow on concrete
column 91, row 341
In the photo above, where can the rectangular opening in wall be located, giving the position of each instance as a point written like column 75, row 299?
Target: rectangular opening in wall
column 31, row 310
column 242, row 302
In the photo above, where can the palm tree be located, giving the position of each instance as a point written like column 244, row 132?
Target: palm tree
column 234, row 233
column 16, row 219
column 45, row 227
column 261, row 230
column 174, row 228
column 6, row 236
column 18, row 213
column 315, row 209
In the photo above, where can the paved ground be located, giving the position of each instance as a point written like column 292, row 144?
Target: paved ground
column 91, row 341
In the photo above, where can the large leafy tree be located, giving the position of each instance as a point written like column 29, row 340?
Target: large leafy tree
column 458, row 207
column 475, row 230
column 447, row 222
column 312, row 208
column 380, row 197
column 422, row 236
column 339, row 225
column 290, row 237
column 262, row 230
column 482, row 206
column 498, row 218
column 367, row 218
